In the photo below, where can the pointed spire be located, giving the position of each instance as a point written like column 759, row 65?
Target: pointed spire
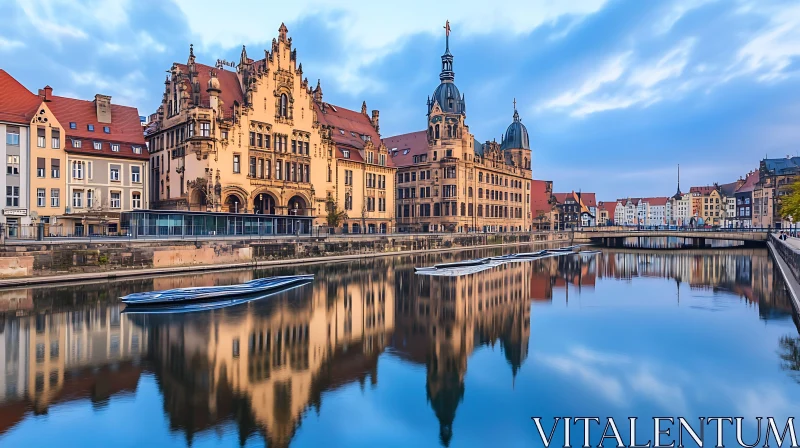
column 191, row 50
column 300, row 68
column 282, row 31
column 364, row 108
column 447, row 58
column 243, row 59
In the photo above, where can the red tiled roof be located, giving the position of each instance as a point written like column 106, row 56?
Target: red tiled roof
column 17, row 104
column 125, row 128
column 657, row 201
column 539, row 198
column 345, row 123
column 749, row 182
column 415, row 142
column 702, row 190
column 561, row 197
column 589, row 199
column 230, row 88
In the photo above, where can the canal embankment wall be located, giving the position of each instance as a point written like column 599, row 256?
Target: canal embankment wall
column 46, row 262
column 787, row 262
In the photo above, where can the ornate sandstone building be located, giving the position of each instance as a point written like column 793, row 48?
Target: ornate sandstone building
column 261, row 140
column 447, row 180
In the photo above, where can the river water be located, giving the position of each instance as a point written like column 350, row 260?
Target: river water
column 371, row 354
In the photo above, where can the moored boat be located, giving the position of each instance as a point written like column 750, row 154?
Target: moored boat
column 180, row 295
column 461, row 264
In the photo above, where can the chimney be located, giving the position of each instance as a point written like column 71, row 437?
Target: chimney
column 374, row 121
column 46, row 94
column 102, row 104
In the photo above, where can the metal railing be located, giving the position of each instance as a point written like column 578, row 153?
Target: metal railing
column 111, row 232
column 789, row 254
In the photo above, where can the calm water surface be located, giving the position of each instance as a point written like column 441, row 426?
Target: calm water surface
column 371, row 354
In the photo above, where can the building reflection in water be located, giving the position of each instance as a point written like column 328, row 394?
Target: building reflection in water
column 263, row 365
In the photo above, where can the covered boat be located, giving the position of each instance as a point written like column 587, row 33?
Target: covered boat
column 208, row 293
column 457, row 264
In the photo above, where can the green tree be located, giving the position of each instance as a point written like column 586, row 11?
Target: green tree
column 335, row 215
column 790, row 204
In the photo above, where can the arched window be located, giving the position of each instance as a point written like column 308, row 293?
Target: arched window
column 455, row 131
column 430, row 131
column 471, row 209
column 449, row 131
column 284, row 106
column 469, row 191
column 436, row 132
column 463, row 209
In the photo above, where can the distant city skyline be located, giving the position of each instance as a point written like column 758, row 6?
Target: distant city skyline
column 614, row 93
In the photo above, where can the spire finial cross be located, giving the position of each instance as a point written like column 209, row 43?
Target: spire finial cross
column 515, row 104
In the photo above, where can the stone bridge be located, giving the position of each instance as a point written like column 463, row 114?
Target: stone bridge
column 694, row 238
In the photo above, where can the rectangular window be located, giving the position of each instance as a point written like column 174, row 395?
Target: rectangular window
column 55, row 138
column 191, row 129
column 90, row 127
column 346, row 153
column 305, row 147
column 261, row 168
column 205, row 129
column 115, row 202
column 73, row 125
column 77, row 170
column 136, row 200
column 13, row 165
column 114, row 177
column 252, row 167
column 89, row 198
column 236, row 164
column 12, row 136
column 136, row 174
column 76, row 143
column 12, row 196
column 40, row 137
column 137, row 149
column 77, row 199
column 278, row 164
column 106, row 129
column 40, row 197
column 294, row 146
column 55, row 168
column 98, row 146
column 252, row 138
column 55, row 197
column 266, row 141
column 268, row 169
column 40, row 167
column 115, row 147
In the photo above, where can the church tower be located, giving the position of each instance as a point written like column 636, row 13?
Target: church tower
column 516, row 145
column 447, row 132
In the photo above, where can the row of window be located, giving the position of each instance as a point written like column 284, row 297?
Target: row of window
column 451, row 209
column 115, row 199
column 450, row 191
column 89, row 127
column 370, row 205
column 376, row 181
column 83, row 168
column 260, row 168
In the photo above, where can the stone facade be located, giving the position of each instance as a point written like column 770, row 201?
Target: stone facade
column 259, row 140
column 448, row 181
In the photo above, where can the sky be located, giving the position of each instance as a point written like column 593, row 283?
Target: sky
column 614, row 93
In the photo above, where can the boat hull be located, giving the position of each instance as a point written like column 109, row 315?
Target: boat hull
column 461, row 264
column 183, row 295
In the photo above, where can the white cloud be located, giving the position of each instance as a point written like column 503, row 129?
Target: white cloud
column 772, row 50
column 372, row 30
column 609, row 72
column 676, row 11
column 9, row 44
column 141, row 45
column 671, row 65
column 619, row 84
column 126, row 90
column 59, row 19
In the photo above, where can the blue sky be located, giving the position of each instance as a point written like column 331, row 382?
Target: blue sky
column 615, row 93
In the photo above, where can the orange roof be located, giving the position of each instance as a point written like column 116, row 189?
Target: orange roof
column 403, row 148
column 17, row 104
column 348, row 128
column 125, row 128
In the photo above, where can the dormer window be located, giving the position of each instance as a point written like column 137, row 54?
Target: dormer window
column 90, row 127
column 346, row 153
column 352, row 133
column 137, row 149
column 76, row 143
column 341, row 131
column 106, row 129
column 98, row 146
column 405, row 151
column 73, row 125
column 115, row 147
